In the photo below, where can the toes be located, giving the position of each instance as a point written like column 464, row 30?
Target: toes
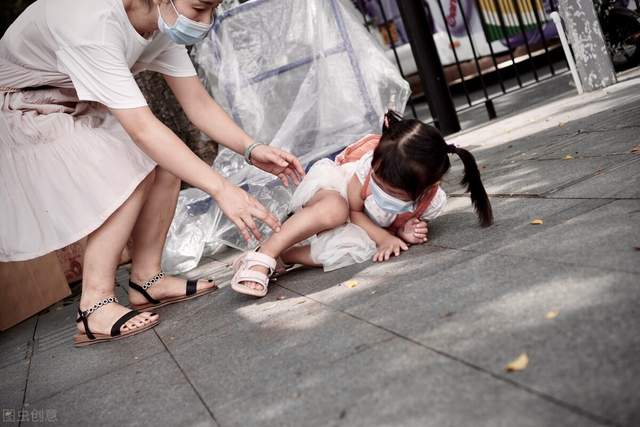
column 206, row 284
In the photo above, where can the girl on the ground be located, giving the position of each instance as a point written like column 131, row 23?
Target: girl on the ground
column 374, row 200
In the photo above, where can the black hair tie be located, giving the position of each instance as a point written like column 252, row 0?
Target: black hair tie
column 451, row 149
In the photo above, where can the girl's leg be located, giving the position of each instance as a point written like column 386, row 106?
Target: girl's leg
column 104, row 247
column 325, row 211
column 299, row 255
column 149, row 236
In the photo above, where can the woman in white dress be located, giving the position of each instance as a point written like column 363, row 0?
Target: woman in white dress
column 81, row 153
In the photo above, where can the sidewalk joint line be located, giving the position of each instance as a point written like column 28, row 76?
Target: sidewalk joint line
column 568, row 406
column 186, row 377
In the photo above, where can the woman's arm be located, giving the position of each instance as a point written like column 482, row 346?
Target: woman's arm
column 168, row 151
column 207, row 116
column 386, row 242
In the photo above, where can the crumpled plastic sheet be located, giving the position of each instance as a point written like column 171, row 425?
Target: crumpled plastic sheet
column 302, row 75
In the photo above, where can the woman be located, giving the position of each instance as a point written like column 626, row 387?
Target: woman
column 82, row 154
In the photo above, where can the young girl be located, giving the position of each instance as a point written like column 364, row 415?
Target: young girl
column 374, row 200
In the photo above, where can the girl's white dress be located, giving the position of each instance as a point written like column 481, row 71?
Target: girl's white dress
column 66, row 164
column 349, row 244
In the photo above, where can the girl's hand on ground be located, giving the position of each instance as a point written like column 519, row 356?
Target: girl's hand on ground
column 390, row 245
column 284, row 165
column 414, row 231
column 242, row 209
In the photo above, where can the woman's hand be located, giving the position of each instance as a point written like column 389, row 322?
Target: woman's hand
column 414, row 231
column 241, row 209
column 278, row 162
column 389, row 245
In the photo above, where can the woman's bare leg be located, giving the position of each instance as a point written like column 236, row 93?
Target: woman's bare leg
column 149, row 236
column 104, row 247
column 325, row 211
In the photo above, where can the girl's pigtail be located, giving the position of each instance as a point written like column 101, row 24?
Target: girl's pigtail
column 472, row 180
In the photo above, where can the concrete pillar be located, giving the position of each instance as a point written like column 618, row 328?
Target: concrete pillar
column 589, row 48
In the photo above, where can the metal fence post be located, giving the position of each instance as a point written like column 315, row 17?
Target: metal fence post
column 424, row 51
column 589, row 48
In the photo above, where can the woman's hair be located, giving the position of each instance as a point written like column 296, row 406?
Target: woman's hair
column 413, row 156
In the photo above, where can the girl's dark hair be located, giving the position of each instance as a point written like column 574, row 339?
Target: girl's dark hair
column 413, row 156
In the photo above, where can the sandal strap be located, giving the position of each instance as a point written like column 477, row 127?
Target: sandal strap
column 144, row 293
column 115, row 329
column 192, row 287
column 252, row 259
column 146, row 285
column 155, row 279
column 252, row 276
column 83, row 316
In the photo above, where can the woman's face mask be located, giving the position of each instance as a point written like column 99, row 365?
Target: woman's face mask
column 389, row 203
column 185, row 31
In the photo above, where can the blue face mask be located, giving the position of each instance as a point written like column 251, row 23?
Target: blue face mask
column 389, row 203
column 185, row 31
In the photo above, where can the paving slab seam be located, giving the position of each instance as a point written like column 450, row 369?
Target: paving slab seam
column 566, row 405
column 592, row 175
column 88, row 380
column 186, row 377
column 29, row 354
column 564, row 263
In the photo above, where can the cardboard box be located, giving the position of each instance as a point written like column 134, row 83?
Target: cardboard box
column 28, row 287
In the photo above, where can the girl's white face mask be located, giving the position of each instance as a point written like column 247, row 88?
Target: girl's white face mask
column 185, row 31
column 388, row 203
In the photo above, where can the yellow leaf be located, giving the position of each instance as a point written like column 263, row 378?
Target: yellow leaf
column 518, row 364
column 552, row 314
column 350, row 284
column 537, row 221
column 568, row 157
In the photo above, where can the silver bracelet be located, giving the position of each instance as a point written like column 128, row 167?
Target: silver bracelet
column 249, row 150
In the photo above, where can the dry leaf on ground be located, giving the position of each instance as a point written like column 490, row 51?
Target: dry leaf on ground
column 518, row 364
column 568, row 157
column 552, row 314
column 537, row 221
column 636, row 149
column 350, row 284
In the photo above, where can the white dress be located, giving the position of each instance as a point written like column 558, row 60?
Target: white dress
column 349, row 244
column 66, row 164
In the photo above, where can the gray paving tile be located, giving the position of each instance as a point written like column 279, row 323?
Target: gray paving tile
column 604, row 237
column 617, row 182
column 372, row 280
column 458, row 226
column 63, row 366
column 491, row 308
column 530, row 177
column 13, row 379
column 150, row 392
column 270, row 342
column 392, row 383
column 16, row 342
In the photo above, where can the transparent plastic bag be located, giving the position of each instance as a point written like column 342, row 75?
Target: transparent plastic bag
column 301, row 75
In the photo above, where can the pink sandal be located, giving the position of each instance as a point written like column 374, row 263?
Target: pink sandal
column 243, row 273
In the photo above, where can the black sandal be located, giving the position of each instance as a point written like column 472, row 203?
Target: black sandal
column 191, row 292
column 88, row 337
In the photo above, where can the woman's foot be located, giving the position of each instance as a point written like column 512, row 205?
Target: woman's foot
column 165, row 288
column 101, row 321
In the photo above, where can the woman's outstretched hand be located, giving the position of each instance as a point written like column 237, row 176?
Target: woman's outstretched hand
column 242, row 209
column 279, row 163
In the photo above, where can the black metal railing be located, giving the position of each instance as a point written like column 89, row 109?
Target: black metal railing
column 495, row 46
